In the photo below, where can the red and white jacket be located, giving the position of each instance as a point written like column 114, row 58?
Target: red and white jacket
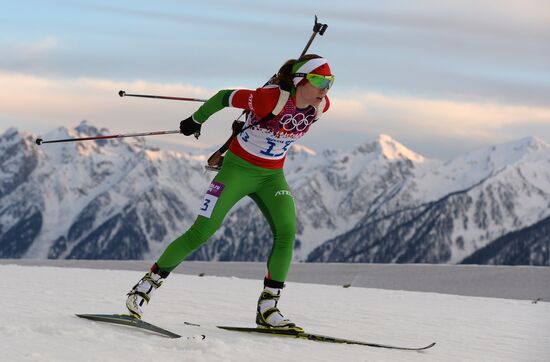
column 265, row 144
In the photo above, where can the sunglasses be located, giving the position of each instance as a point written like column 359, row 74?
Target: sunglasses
column 317, row 80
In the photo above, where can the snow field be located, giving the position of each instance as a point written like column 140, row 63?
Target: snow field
column 39, row 304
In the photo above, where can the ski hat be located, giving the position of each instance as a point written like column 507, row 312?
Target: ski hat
column 317, row 66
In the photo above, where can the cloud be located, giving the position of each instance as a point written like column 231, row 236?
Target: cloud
column 481, row 19
column 402, row 116
column 42, row 46
column 40, row 104
column 430, row 126
column 23, row 93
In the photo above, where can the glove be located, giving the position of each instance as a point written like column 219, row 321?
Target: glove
column 188, row 126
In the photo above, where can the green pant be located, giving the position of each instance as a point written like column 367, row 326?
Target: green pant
column 237, row 179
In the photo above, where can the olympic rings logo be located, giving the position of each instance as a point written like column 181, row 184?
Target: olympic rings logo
column 298, row 122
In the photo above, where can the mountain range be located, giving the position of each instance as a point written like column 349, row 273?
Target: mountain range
column 378, row 203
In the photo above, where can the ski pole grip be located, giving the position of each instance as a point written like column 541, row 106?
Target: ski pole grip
column 39, row 141
column 121, row 93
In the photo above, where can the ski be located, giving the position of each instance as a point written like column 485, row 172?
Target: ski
column 130, row 321
column 315, row 337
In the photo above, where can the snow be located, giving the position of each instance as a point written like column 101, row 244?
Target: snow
column 334, row 190
column 39, row 304
column 394, row 150
column 437, row 179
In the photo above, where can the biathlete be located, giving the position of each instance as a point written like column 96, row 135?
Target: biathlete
column 279, row 114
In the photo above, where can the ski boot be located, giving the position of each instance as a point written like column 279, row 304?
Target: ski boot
column 268, row 315
column 141, row 292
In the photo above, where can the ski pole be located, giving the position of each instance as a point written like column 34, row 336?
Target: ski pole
column 318, row 28
column 40, row 141
column 124, row 94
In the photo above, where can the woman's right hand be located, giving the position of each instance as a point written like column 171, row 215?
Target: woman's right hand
column 188, row 126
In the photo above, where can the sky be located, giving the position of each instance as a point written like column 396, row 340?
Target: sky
column 441, row 77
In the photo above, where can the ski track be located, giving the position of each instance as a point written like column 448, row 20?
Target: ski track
column 39, row 304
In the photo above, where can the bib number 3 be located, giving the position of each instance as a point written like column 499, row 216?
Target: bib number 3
column 211, row 198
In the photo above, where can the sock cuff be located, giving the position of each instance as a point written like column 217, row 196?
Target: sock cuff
column 273, row 283
column 155, row 269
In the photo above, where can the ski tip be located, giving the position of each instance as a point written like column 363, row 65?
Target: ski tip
column 428, row 346
column 104, row 317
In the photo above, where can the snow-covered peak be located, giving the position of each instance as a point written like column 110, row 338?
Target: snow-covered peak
column 393, row 150
column 493, row 158
column 10, row 137
column 68, row 150
column 58, row 133
column 85, row 129
column 301, row 158
column 533, row 143
column 9, row 133
column 299, row 149
column 512, row 152
column 390, row 149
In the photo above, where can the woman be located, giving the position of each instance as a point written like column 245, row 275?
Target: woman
column 279, row 115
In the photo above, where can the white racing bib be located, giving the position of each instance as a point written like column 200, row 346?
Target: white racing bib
column 211, row 198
